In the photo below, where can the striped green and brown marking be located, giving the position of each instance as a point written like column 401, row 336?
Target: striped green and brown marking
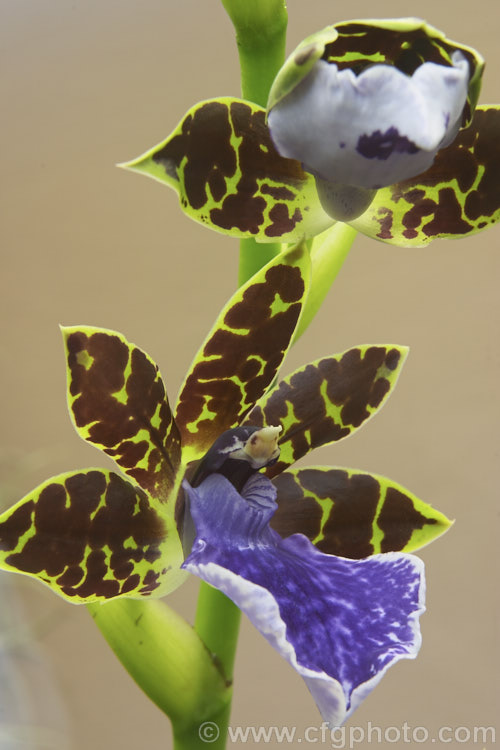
column 243, row 352
column 353, row 514
column 91, row 536
column 221, row 161
column 327, row 400
column 117, row 401
column 458, row 196
column 405, row 43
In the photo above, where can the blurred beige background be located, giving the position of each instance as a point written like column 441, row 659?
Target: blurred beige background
column 87, row 84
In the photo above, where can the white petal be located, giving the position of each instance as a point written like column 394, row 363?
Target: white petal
column 374, row 129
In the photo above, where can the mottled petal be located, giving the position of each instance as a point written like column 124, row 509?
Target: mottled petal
column 221, row 161
column 117, row 402
column 373, row 129
column 92, row 536
column 353, row 514
column 327, row 400
column 340, row 623
column 241, row 355
column 458, row 196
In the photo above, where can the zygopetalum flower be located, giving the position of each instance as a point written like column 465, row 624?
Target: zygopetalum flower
column 94, row 535
column 339, row 622
column 369, row 122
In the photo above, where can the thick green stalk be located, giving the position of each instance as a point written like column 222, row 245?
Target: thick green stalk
column 261, row 36
column 217, row 624
column 209, row 733
column 220, row 641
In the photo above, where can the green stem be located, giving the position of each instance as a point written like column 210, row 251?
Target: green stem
column 261, row 36
column 261, row 43
column 219, row 633
column 209, row 733
column 217, row 624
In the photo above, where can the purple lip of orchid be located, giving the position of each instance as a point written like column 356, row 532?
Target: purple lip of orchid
column 339, row 622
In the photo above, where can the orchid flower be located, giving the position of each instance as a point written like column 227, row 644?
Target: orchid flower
column 339, row 622
column 364, row 123
column 94, row 535
column 369, row 122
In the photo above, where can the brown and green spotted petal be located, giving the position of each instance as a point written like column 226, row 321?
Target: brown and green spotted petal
column 243, row 352
column 405, row 43
column 458, row 196
column 221, row 161
column 117, row 401
column 352, row 514
column 91, row 536
column 328, row 399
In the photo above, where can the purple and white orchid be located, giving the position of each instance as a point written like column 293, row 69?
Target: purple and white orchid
column 204, row 481
column 340, row 623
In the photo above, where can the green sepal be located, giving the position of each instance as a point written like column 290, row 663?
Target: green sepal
column 91, row 535
column 404, row 42
column 243, row 351
column 299, row 64
column 117, row 402
column 327, row 400
column 457, row 197
column 221, row 161
column 166, row 658
column 353, row 514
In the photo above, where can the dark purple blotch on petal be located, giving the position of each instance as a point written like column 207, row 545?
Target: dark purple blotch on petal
column 380, row 145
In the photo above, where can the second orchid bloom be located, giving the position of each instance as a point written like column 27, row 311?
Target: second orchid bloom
column 374, row 123
column 309, row 554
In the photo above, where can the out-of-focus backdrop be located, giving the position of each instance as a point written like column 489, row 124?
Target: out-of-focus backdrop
column 87, row 84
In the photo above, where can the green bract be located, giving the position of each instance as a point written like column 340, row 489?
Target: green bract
column 94, row 535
